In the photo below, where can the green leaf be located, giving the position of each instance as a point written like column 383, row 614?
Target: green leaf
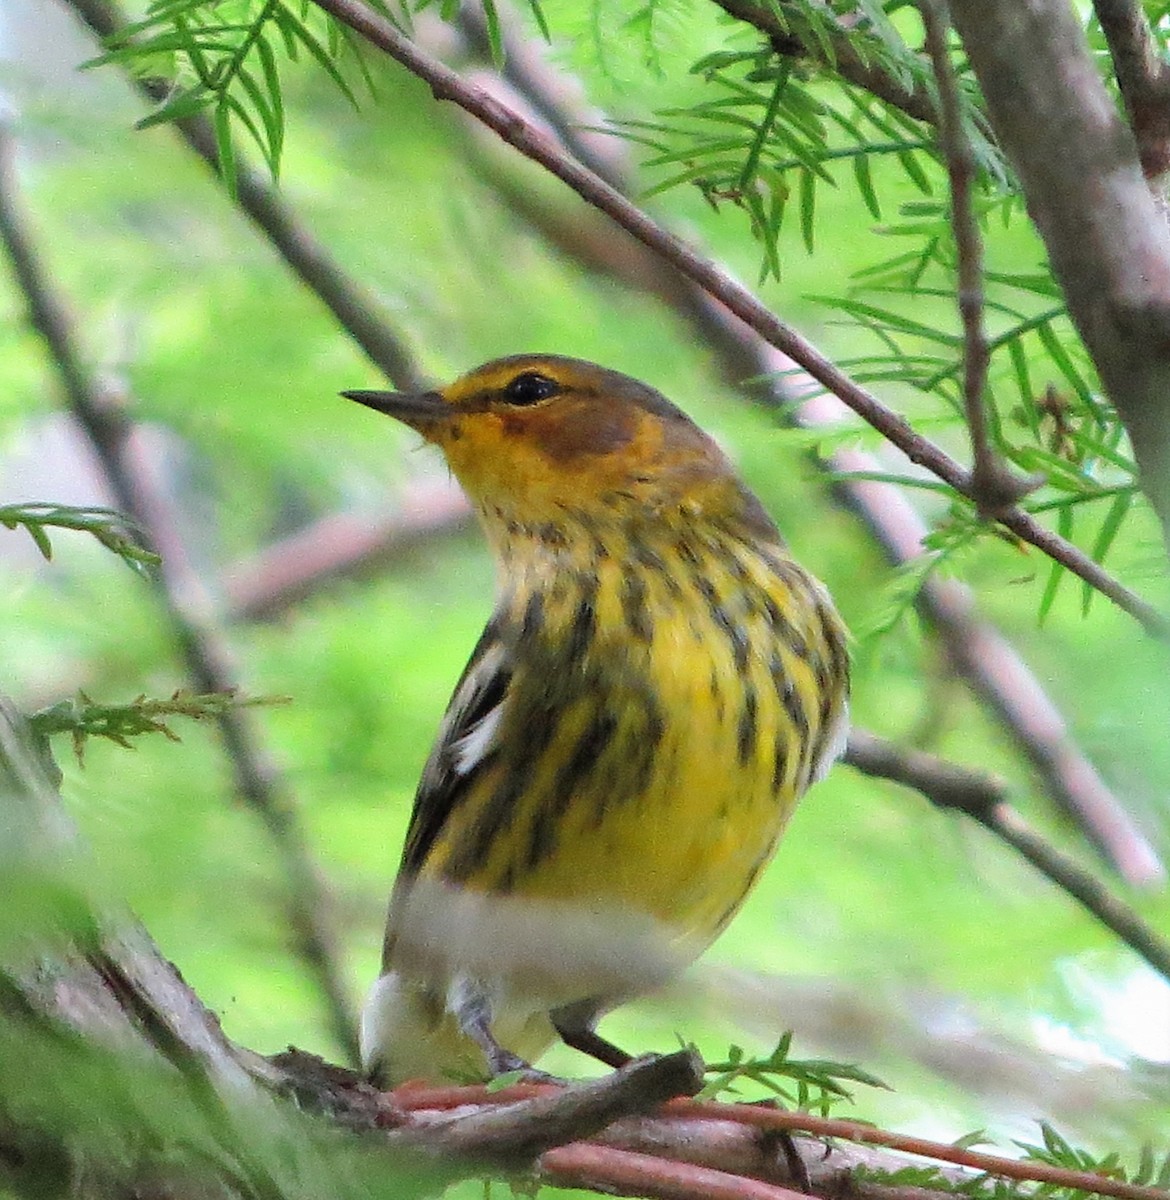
column 1065, row 366
column 272, row 86
column 1106, row 535
column 537, row 10
column 38, row 535
column 889, row 319
column 752, row 161
column 495, row 37
column 1056, row 570
column 224, row 147
column 300, row 32
column 181, row 105
column 808, row 200
column 861, row 174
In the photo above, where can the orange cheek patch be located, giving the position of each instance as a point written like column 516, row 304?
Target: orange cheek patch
column 581, row 430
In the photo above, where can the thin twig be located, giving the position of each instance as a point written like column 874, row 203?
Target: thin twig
column 134, row 477
column 1143, row 78
column 838, row 51
column 995, row 487
column 871, row 1135
column 984, row 798
column 541, row 148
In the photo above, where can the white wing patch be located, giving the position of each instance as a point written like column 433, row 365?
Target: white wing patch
column 834, row 745
column 477, row 743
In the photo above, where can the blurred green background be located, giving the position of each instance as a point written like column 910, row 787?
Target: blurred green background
column 903, row 938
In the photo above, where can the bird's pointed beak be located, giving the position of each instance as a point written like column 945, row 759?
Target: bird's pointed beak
column 419, row 410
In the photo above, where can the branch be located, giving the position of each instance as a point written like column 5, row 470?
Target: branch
column 837, row 52
column 540, row 147
column 341, row 545
column 618, row 1172
column 984, row 798
column 1143, row 78
column 516, row 1133
column 697, row 1117
column 1078, row 164
column 869, row 1135
column 136, row 479
column 994, row 485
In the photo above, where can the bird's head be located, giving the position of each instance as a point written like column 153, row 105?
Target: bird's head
column 537, row 437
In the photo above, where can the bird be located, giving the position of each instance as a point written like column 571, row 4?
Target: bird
column 658, row 683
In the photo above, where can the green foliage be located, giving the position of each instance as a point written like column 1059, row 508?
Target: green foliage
column 223, row 58
column 811, row 1085
column 110, row 528
column 83, row 718
column 765, row 137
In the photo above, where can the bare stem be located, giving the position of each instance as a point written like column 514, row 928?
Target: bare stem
column 994, row 485
column 985, row 799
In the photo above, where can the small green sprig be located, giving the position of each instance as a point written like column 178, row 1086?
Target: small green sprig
column 811, row 1085
column 84, row 718
column 110, row 528
column 1152, row 1169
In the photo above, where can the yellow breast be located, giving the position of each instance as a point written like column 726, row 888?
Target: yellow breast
column 669, row 704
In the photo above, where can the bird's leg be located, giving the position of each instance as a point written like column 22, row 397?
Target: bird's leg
column 575, row 1023
column 473, row 1012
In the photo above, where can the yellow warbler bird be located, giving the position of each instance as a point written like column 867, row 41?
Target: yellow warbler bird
column 658, row 684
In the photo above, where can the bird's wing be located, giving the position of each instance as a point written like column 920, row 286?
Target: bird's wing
column 465, row 741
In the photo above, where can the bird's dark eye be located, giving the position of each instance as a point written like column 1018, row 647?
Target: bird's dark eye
column 530, row 388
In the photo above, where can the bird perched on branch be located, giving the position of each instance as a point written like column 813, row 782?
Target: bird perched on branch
column 658, row 684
